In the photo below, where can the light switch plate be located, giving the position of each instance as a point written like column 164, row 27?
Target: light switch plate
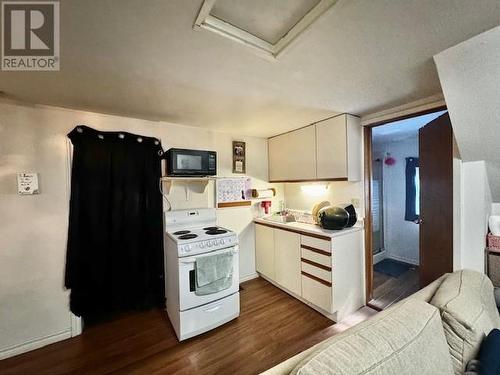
column 27, row 183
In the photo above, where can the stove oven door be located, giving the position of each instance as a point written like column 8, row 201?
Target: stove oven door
column 187, row 279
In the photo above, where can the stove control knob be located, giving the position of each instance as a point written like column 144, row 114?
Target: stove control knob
column 209, row 243
column 202, row 245
column 187, row 248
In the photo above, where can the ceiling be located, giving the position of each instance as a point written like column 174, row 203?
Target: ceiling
column 122, row 57
column 268, row 20
column 470, row 74
column 402, row 129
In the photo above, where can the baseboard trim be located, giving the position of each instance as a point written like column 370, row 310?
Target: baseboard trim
column 34, row 344
column 379, row 257
column 249, row 277
column 401, row 259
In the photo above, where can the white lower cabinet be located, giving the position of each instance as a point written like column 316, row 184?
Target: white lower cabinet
column 264, row 250
column 327, row 273
column 287, row 260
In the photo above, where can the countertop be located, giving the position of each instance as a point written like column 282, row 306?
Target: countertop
column 310, row 228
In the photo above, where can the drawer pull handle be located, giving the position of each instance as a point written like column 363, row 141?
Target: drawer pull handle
column 316, row 279
column 326, row 268
column 322, row 252
column 212, row 309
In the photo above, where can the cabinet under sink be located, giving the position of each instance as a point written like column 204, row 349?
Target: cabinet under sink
column 325, row 272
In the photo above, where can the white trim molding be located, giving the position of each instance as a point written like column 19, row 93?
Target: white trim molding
column 248, row 277
column 421, row 105
column 206, row 21
column 34, row 344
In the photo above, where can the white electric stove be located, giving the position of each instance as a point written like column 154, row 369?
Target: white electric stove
column 189, row 235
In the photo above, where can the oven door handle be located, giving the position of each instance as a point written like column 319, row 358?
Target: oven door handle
column 191, row 261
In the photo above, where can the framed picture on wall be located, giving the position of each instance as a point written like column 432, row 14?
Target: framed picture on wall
column 239, row 157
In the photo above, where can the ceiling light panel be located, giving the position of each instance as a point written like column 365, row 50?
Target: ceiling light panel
column 266, row 26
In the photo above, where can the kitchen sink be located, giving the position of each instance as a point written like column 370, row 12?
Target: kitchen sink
column 280, row 218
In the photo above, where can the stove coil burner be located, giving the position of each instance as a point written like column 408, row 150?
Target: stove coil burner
column 216, row 231
column 211, row 228
column 181, row 232
column 188, row 236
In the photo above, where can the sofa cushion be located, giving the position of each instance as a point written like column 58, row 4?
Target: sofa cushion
column 465, row 300
column 489, row 356
column 407, row 338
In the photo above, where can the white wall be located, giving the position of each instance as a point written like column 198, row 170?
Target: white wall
column 337, row 192
column 469, row 74
column 476, row 208
column 401, row 237
column 33, row 302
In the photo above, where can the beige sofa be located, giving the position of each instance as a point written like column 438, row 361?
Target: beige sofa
column 438, row 330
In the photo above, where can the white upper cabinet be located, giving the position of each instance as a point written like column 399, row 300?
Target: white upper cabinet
column 331, row 151
column 327, row 150
column 338, row 150
column 277, row 158
column 302, row 154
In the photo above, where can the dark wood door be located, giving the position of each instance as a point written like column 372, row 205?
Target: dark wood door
column 436, row 199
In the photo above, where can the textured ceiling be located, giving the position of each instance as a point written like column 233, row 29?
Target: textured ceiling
column 470, row 75
column 266, row 19
column 143, row 59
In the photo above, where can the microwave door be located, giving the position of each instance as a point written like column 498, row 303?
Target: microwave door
column 189, row 163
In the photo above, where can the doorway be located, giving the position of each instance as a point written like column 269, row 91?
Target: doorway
column 393, row 229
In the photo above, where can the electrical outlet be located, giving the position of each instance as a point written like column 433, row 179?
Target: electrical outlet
column 355, row 202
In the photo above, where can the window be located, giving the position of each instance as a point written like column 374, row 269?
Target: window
column 412, row 211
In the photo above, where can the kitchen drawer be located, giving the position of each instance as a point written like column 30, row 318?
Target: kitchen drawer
column 206, row 317
column 317, row 293
column 318, row 272
column 325, row 260
column 316, row 243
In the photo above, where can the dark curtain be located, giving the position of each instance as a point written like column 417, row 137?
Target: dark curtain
column 114, row 257
column 411, row 189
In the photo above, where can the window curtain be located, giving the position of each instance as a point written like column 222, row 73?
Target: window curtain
column 411, row 189
column 114, row 259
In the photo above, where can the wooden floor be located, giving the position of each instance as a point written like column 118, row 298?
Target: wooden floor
column 388, row 290
column 271, row 328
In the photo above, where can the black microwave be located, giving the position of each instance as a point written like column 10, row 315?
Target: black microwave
column 184, row 162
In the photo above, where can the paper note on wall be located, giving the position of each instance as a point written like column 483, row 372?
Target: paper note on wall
column 27, row 183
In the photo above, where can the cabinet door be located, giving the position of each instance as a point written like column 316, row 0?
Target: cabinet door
column 278, row 151
column 354, row 148
column 302, row 154
column 331, row 150
column 287, row 262
column 264, row 250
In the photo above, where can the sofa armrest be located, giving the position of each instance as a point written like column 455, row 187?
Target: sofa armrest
column 286, row 367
